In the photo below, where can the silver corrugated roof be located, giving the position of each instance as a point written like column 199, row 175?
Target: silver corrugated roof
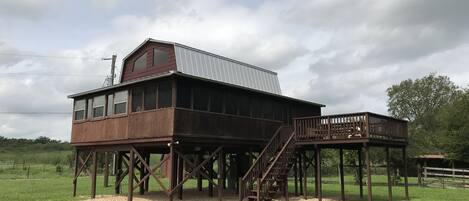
column 211, row 66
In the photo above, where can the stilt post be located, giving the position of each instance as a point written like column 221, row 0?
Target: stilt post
column 77, row 152
column 368, row 172
column 388, row 171
column 318, row 167
column 93, row 174
column 406, row 181
column 360, row 172
column 130, row 192
column 341, row 172
column 106, row 170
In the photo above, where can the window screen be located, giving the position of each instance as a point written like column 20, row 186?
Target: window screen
column 159, row 57
column 183, row 94
column 200, row 98
column 120, row 102
column 267, row 109
column 256, row 107
column 164, row 94
column 98, row 106
column 231, row 106
column 149, row 101
column 244, row 107
column 141, row 62
column 79, row 109
column 137, row 100
column 216, row 101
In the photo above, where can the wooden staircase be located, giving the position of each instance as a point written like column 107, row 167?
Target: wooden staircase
column 268, row 175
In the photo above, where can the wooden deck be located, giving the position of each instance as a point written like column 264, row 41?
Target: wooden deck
column 350, row 128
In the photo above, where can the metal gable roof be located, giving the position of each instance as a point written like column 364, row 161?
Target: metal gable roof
column 211, row 66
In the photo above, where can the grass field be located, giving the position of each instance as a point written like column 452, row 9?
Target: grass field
column 49, row 185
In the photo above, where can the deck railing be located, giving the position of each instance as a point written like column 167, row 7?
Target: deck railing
column 350, row 126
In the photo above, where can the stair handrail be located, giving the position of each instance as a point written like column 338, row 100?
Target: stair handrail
column 292, row 136
column 257, row 162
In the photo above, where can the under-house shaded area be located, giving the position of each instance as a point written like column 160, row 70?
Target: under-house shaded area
column 216, row 120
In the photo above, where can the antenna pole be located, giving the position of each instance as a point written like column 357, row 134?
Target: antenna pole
column 113, row 68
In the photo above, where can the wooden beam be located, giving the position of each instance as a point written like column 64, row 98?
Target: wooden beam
column 151, row 171
column 360, row 172
column 93, row 175
column 147, row 181
column 406, row 182
column 180, row 170
column 77, row 152
column 300, row 168
column 295, row 175
column 118, row 172
column 368, row 171
column 141, row 184
column 210, row 177
column 388, row 171
column 318, row 172
column 221, row 173
column 173, row 179
column 305, row 176
column 199, row 176
column 131, row 176
column 341, row 172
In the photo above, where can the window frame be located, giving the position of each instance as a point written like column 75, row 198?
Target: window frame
column 153, row 57
column 126, row 92
column 103, row 105
column 77, row 110
column 145, row 63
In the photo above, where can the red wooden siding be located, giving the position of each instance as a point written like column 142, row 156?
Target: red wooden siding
column 130, row 74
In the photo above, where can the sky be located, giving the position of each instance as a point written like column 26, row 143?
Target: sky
column 340, row 53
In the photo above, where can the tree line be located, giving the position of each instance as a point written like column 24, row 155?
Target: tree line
column 438, row 114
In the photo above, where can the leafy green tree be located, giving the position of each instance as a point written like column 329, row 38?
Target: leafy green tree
column 453, row 122
column 419, row 101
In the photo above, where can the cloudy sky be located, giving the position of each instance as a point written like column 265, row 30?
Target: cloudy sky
column 337, row 52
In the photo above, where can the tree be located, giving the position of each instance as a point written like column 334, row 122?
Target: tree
column 419, row 101
column 453, row 123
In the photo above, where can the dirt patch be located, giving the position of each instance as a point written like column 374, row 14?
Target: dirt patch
column 189, row 195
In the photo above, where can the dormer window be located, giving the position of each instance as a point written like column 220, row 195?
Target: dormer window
column 141, row 62
column 159, row 57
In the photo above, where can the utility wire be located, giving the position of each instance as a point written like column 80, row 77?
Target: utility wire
column 48, row 56
column 37, row 113
column 51, row 75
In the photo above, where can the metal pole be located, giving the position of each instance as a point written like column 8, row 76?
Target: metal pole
column 113, row 68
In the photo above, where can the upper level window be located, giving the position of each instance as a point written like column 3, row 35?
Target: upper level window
column 216, row 101
column 183, row 94
column 98, row 106
column 149, row 94
column 141, row 62
column 120, row 102
column 200, row 98
column 159, row 57
column 137, row 99
column 164, row 94
column 79, row 109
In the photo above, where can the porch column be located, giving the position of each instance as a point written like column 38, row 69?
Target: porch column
column 368, row 171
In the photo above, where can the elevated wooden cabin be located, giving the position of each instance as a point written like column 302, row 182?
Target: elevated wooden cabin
column 196, row 107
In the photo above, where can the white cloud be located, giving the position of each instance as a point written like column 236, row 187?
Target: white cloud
column 335, row 52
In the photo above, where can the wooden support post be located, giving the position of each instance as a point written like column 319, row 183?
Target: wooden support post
column 406, row 181
column 295, row 173
column 180, row 170
column 221, row 174
column 142, row 175
column 130, row 192
column 341, row 172
column 106, row 170
column 93, row 174
column 300, row 168
column 388, row 171
column 199, row 176
column 147, row 181
column 173, row 179
column 232, row 173
column 118, row 172
column 360, row 172
column 305, row 178
column 285, row 188
column 315, row 175
column 77, row 152
column 318, row 167
column 368, row 171
column 210, row 174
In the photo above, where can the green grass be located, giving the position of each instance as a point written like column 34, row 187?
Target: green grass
column 59, row 187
